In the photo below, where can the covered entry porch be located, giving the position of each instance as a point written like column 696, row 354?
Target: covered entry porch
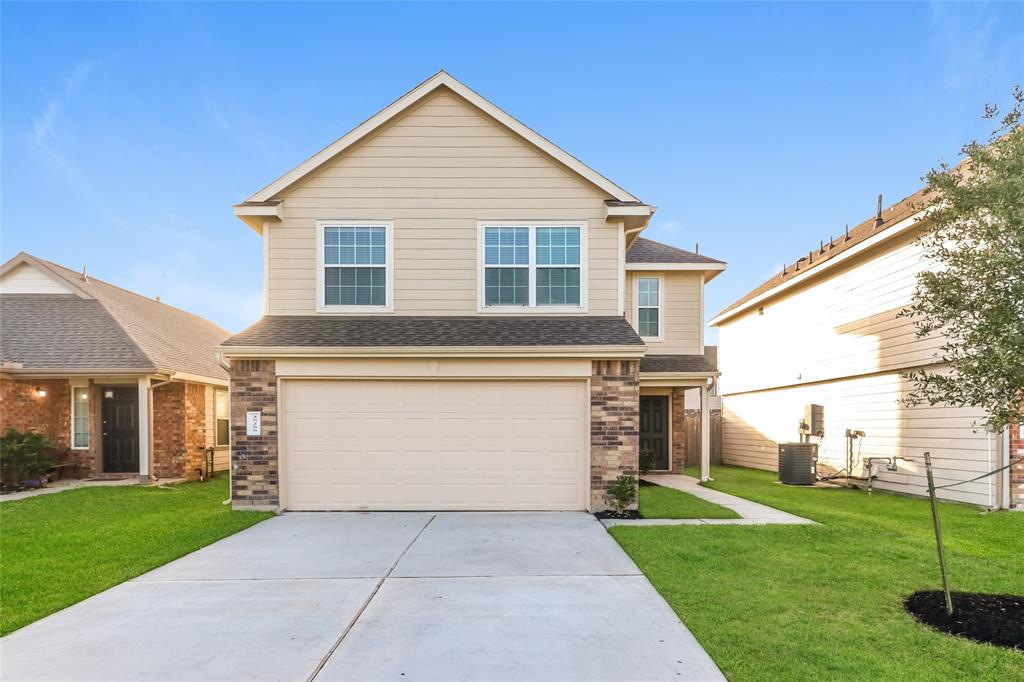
column 676, row 407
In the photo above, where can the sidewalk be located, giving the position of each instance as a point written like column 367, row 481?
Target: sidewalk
column 67, row 484
column 751, row 513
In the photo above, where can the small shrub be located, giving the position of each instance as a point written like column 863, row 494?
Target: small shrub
column 622, row 493
column 24, row 455
column 646, row 461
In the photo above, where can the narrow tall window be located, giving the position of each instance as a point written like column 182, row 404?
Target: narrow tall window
column 648, row 309
column 507, row 266
column 355, row 262
column 80, row 417
column 221, row 414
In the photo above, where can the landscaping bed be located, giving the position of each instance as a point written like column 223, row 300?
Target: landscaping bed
column 58, row 549
column 827, row 601
column 991, row 618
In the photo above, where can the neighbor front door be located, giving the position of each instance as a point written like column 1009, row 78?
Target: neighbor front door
column 120, row 429
column 654, row 428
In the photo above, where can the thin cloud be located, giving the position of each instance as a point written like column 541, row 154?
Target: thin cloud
column 42, row 125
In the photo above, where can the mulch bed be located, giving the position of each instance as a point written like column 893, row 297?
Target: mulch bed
column 628, row 514
column 992, row 618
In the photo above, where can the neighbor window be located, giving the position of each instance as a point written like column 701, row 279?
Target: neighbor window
column 80, row 417
column 648, row 308
column 221, row 413
column 531, row 266
column 355, row 265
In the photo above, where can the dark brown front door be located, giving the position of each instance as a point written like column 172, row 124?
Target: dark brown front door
column 120, row 429
column 654, row 428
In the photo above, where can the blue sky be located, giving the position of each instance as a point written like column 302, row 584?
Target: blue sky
column 128, row 131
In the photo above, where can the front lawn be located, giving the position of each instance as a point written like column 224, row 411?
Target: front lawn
column 825, row 602
column 659, row 502
column 58, row 549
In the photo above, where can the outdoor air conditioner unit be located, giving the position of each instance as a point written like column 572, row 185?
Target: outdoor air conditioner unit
column 798, row 463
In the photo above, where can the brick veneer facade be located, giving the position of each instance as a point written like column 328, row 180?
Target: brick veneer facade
column 254, row 463
column 179, row 423
column 678, row 429
column 1016, row 470
column 614, row 425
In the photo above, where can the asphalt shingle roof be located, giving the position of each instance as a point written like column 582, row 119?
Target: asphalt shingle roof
column 680, row 363
column 117, row 328
column 649, row 251
column 281, row 330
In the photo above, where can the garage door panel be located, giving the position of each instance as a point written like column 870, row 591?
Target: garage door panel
column 434, row 444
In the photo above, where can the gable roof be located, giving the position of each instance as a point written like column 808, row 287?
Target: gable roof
column 896, row 214
column 102, row 326
column 441, row 79
column 649, row 251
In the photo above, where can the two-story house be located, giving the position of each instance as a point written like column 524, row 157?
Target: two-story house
column 828, row 331
column 458, row 315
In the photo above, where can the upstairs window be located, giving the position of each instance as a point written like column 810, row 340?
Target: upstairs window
column 356, row 262
column 528, row 266
column 648, row 307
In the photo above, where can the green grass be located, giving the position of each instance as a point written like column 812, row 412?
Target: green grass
column 825, row 602
column 58, row 549
column 658, row 502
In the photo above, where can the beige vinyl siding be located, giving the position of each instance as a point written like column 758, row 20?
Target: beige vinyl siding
column 26, row 279
column 682, row 315
column 435, row 171
column 753, row 424
column 844, row 324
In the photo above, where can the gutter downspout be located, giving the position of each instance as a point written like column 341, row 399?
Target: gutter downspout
column 219, row 357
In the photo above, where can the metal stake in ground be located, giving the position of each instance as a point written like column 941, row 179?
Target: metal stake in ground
column 938, row 531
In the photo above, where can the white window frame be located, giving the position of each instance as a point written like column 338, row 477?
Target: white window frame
column 532, row 308
column 88, row 400
column 227, row 394
column 389, row 270
column 661, row 305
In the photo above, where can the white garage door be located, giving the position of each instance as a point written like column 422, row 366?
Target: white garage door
column 380, row 444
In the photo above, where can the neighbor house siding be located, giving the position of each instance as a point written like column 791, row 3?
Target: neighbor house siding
column 845, row 323
column 841, row 342
column 754, row 423
column 682, row 315
column 435, row 171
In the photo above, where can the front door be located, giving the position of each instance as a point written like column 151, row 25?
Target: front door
column 654, row 428
column 120, row 429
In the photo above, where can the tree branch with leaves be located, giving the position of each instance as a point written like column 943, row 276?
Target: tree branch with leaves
column 974, row 293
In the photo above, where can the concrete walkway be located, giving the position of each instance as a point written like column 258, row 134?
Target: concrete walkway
column 68, row 484
column 751, row 513
column 384, row 596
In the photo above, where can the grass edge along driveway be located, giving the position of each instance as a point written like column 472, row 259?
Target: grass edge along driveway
column 825, row 602
column 56, row 550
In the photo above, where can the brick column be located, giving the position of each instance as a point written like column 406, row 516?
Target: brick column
column 1016, row 470
column 195, row 429
column 614, row 425
column 678, row 461
column 254, row 472
column 169, row 431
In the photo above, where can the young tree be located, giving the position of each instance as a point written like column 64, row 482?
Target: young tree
column 975, row 295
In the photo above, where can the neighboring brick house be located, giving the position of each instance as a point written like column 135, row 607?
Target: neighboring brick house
column 123, row 384
column 460, row 315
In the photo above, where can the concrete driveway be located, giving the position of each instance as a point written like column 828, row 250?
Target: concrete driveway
column 384, row 596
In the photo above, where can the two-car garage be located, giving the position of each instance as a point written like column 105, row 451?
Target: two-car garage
column 446, row 444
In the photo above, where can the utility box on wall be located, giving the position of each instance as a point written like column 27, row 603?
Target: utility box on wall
column 814, row 420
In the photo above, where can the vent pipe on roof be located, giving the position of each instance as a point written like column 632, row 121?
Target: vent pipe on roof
column 878, row 212
column 847, row 232
column 85, row 276
column 696, row 248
